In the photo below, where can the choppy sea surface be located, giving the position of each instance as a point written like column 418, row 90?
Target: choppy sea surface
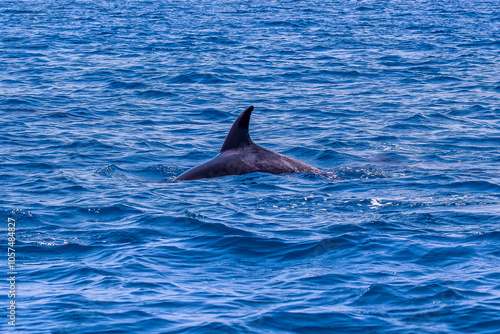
column 103, row 103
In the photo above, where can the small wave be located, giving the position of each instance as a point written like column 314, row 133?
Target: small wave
column 215, row 228
column 15, row 102
column 48, row 248
column 87, row 144
column 444, row 78
column 153, row 94
column 380, row 294
column 445, row 256
column 317, row 248
column 110, row 211
column 205, row 78
column 133, row 236
column 126, row 85
column 476, row 185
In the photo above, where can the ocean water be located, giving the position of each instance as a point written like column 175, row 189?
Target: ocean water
column 103, row 103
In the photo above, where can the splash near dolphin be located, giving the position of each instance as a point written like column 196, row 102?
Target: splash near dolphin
column 239, row 155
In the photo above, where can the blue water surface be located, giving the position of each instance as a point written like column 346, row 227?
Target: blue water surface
column 103, row 103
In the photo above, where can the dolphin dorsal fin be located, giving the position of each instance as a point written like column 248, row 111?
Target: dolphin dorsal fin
column 238, row 136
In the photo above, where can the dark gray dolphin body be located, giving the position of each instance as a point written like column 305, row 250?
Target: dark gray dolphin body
column 239, row 155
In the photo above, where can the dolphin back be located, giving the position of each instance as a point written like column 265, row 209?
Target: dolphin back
column 239, row 155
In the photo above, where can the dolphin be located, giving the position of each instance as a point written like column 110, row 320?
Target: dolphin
column 239, row 155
